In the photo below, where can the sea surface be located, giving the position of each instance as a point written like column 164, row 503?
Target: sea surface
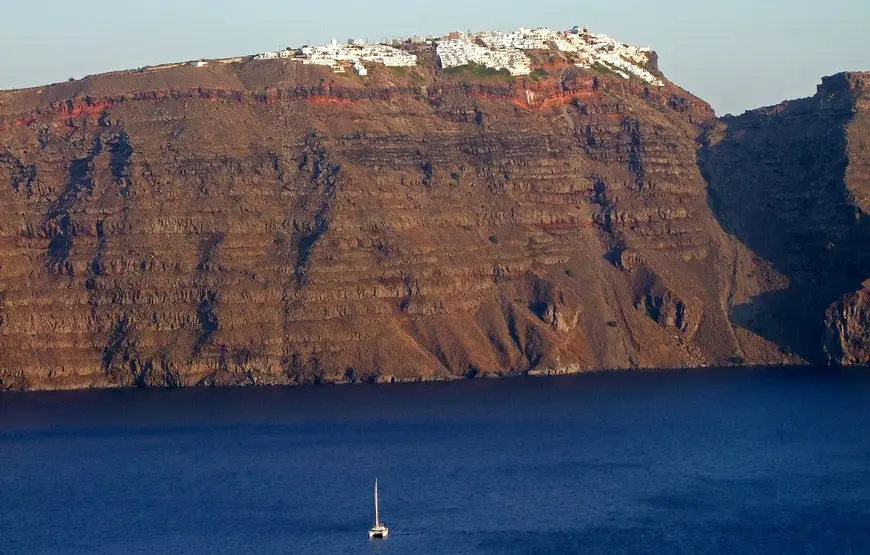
column 708, row 462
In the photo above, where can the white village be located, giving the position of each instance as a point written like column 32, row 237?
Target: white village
column 491, row 49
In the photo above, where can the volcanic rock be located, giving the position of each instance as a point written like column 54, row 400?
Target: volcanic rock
column 272, row 223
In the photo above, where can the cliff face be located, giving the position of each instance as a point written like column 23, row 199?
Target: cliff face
column 848, row 320
column 269, row 222
column 792, row 183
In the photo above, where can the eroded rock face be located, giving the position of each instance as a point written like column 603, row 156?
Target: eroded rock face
column 847, row 340
column 261, row 223
column 553, row 304
column 629, row 260
column 847, row 322
column 662, row 305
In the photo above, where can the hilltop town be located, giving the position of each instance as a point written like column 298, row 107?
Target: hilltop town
column 491, row 49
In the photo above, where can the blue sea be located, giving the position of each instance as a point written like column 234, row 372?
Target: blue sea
column 712, row 462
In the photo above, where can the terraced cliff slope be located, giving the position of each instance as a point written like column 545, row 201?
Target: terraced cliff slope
column 269, row 222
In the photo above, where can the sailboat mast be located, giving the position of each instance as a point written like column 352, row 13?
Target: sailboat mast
column 377, row 521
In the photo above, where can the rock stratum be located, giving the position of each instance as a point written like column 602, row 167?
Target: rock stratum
column 275, row 223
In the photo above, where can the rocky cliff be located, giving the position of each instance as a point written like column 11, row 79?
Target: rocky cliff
column 792, row 183
column 268, row 222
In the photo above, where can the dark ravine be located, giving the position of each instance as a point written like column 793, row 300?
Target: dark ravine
column 269, row 223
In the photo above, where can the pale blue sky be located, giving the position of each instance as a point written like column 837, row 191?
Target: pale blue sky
column 736, row 54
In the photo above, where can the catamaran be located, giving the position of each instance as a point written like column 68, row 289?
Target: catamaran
column 379, row 530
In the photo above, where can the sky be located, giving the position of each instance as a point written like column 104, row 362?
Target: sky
column 735, row 54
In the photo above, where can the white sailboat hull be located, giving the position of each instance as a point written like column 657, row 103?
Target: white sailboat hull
column 379, row 532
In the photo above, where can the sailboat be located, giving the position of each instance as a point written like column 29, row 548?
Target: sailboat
column 379, row 530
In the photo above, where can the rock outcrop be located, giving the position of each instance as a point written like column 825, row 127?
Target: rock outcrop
column 273, row 223
column 847, row 340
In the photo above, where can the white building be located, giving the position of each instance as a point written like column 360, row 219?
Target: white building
column 336, row 56
column 492, row 49
column 507, row 51
column 460, row 52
